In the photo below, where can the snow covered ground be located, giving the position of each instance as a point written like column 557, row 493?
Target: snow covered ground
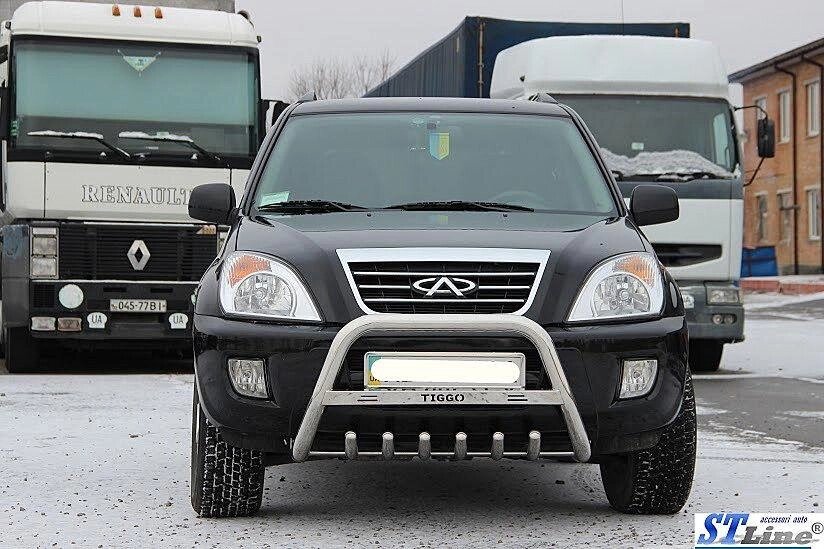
column 103, row 460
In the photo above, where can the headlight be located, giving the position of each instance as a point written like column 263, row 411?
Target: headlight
column 627, row 285
column 44, row 267
column 259, row 286
column 723, row 295
column 44, row 245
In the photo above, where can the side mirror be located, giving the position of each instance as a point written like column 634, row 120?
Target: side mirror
column 653, row 204
column 277, row 108
column 766, row 138
column 213, row 203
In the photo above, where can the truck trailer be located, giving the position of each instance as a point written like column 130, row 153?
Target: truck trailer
column 111, row 115
column 461, row 64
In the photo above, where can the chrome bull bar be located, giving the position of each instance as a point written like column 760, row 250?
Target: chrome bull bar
column 428, row 324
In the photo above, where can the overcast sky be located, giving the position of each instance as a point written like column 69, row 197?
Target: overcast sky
column 296, row 33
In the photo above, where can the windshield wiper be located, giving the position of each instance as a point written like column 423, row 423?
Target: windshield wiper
column 82, row 135
column 171, row 138
column 310, row 207
column 461, row 205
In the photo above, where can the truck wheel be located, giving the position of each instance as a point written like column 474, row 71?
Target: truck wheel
column 22, row 351
column 705, row 355
column 656, row 481
column 226, row 481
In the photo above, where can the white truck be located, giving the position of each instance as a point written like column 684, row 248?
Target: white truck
column 109, row 116
column 659, row 109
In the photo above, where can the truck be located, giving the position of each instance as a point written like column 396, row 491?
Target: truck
column 665, row 120
column 608, row 72
column 110, row 115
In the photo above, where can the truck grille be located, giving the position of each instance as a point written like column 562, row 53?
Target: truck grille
column 99, row 252
column 444, row 287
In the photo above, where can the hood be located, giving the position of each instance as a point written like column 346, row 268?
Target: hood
column 313, row 251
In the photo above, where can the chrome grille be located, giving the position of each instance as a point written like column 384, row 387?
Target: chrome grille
column 389, row 287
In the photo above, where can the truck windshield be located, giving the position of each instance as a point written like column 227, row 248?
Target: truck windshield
column 656, row 136
column 108, row 88
column 427, row 160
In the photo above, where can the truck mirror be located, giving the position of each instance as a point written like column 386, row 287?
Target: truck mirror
column 766, row 138
column 653, row 204
column 277, row 108
column 213, row 203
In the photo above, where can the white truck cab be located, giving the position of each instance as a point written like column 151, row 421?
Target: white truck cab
column 660, row 112
column 111, row 115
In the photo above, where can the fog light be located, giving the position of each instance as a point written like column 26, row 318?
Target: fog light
column 729, row 319
column 717, row 319
column 42, row 323
column 70, row 296
column 723, row 295
column 248, row 377
column 68, row 324
column 638, row 377
column 44, row 267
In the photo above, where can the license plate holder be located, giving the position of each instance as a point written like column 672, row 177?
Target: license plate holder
column 428, row 370
column 137, row 305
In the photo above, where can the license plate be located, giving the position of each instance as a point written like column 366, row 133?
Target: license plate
column 407, row 370
column 689, row 301
column 137, row 305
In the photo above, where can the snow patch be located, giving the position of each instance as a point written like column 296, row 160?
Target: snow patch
column 662, row 162
column 155, row 136
column 53, row 133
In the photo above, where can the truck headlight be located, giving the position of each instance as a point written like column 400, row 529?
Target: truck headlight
column 43, row 252
column 255, row 285
column 44, row 267
column 44, row 245
column 723, row 294
column 627, row 285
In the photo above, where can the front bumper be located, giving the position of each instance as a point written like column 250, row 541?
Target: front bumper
column 700, row 316
column 298, row 376
column 44, row 302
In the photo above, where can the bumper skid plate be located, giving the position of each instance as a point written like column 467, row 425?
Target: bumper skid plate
column 427, row 325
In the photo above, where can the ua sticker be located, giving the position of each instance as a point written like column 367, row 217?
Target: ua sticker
column 438, row 145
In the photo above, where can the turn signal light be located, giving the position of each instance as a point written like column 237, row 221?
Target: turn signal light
column 137, row 12
column 116, row 10
column 158, row 13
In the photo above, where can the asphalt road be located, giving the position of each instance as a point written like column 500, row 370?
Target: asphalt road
column 92, row 458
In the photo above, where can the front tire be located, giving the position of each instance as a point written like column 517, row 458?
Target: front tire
column 705, row 355
column 22, row 351
column 658, row 480
column 227, row 481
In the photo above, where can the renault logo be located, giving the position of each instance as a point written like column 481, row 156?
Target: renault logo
column 457, row 287
column 138, row 255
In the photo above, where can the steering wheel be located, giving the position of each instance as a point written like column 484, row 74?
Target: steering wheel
column 521, row 198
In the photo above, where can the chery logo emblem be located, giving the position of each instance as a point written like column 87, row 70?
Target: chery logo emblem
column 138, row 255
column 457, row 287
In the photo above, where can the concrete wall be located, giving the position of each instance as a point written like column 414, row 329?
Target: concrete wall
column 776, row 174
column 7, row 7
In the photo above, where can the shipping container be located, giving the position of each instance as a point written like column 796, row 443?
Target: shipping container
column 461, row 64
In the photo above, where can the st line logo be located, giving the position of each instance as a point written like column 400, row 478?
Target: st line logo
column 740, row 530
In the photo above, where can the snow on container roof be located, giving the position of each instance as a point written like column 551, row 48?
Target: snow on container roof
column 178, row 25
column 633, row 65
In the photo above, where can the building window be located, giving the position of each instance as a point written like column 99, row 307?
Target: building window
column 784, row 116
column 813, row 108
column 762, row 216
column 785, row 207
column 814, row 213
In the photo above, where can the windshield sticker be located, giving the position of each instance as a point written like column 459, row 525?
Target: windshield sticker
column 139, row 62
column 637, row 146
column 274, row 198
column 438, row 145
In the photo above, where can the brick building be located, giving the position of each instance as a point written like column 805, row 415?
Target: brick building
column 782, row 207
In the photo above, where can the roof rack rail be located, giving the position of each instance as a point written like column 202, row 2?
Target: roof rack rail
column 308, row 96
column 543, row 97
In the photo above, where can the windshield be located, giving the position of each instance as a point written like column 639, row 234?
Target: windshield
column 107, row 88
column 379, row 160
column 657, row 135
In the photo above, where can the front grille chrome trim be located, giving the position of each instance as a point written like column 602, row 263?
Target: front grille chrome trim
column 447, row 255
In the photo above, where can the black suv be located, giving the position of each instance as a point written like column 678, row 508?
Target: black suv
column 442, row 279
